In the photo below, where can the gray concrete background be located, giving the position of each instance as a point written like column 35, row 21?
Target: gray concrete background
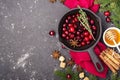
column 25, row 45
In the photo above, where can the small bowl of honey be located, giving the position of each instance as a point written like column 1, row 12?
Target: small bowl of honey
column 111, row 37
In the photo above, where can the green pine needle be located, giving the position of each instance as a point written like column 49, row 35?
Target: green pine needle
column 92, row 77
column 63, row 73
column 113, row 7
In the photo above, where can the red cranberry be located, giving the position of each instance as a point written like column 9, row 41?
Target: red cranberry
column 67, row 38
column 94, row 32
column 107, row 13
column 80, row 30
column 66, row 21
column 64, row 29
column 86, row 39
column 75, row 26
column 72, row 36
column 69, row 76
column 92, row 22
column 71, row 29
column 78, row 37
column 90, row 37
column 108, row 19
column 69, row 34
column 69, row 17
column 77, row 14
column 88, row 42
column 66, row 32
column 94, row 28
column 52, row 33
column 83, row 43
column 79, row 45
column 64, row 25
column 70, row 25
column 78, row 33
column 63, row 35
column 73, row 16
column 73, row 21
column 82, row 36
column 86, row 33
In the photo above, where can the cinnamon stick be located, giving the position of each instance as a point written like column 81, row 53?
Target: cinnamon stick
column 106, row 62
column 115, row 55
column 108, row 54
column 111, row 63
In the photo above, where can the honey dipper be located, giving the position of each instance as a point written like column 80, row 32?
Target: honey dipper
column 111, row 35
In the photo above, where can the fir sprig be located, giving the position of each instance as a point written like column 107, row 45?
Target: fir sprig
column 63, row 73
column 113, row 7
column 84, row 21
column 92, row 77
column 115, row 77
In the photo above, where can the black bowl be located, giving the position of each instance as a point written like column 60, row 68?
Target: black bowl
column 97, row 24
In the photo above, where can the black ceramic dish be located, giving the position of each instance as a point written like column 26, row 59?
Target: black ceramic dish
column 89, row 47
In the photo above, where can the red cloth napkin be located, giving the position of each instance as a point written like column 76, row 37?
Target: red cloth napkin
column 82, row 3
column 83, row 59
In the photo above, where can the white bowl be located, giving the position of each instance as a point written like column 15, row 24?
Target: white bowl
column 105, row 33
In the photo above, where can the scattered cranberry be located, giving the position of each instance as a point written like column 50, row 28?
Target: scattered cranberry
column 52, row 33
column 107, row 13
column 108, row 19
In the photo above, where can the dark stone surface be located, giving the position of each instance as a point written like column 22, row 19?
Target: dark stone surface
column 25, row 45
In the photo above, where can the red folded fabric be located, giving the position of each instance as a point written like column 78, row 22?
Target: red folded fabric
column 82, row 3
column 83, row 59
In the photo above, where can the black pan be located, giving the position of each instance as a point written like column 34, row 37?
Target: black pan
column 89, row 47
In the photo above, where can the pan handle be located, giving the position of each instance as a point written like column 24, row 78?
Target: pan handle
column 95, row 60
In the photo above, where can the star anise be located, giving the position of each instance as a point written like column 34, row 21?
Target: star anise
column 56, row 54
column 52, row 1
column 70, row 62
column 74, row 42
column 62, row 1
